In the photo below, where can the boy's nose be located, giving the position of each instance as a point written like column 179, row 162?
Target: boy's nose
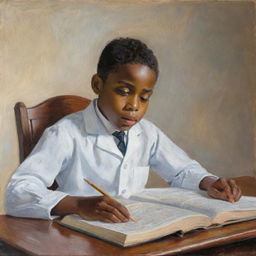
column 132, row 104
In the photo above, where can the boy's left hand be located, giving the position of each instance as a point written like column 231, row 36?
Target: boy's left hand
column 222, row 188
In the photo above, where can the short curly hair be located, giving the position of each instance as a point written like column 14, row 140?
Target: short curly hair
column 125, row 51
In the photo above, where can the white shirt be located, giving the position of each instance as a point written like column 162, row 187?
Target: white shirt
column 79, row 146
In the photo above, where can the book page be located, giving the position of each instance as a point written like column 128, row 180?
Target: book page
column 197, row 201
column 148, row 217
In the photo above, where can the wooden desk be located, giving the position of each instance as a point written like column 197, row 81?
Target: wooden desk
column 40, row 237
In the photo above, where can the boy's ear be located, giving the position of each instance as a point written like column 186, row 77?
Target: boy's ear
column 97, row 84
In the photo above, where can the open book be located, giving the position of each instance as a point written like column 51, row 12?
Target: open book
column 162, row 211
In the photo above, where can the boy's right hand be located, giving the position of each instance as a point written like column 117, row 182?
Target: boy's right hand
column 92, row 208
column 102, row 208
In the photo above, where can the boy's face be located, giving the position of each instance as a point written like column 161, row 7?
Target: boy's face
column 124, row 96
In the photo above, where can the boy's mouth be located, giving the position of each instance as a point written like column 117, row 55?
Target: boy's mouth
column 129, row 120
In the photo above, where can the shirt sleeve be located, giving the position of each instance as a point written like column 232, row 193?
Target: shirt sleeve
column 174, row 165
column 27, row 194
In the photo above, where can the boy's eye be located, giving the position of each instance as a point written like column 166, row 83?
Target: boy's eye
column 123, row 91
column 144, row 99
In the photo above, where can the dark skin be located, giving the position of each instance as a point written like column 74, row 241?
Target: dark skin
column 222, row 188
column 123, row 99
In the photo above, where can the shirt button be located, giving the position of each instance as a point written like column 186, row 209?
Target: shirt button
column 125, row 166
column 123, row 191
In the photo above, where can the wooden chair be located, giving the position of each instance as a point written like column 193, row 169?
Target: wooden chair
column 31, row 122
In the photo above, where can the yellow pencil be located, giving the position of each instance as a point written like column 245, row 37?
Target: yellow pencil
column 99, row 189
column 103, row 192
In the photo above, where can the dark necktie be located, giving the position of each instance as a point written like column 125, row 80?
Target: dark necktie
column 121, row 144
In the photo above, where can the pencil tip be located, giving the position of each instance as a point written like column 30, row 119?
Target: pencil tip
column 134, row 220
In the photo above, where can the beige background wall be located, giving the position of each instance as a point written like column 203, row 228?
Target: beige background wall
column 205, row 95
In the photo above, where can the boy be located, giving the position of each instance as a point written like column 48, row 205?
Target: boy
column 109, row 144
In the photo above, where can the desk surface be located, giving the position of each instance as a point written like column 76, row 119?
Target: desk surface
column 40, row 237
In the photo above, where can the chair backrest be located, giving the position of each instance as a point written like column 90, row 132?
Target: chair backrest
column 31, row 122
